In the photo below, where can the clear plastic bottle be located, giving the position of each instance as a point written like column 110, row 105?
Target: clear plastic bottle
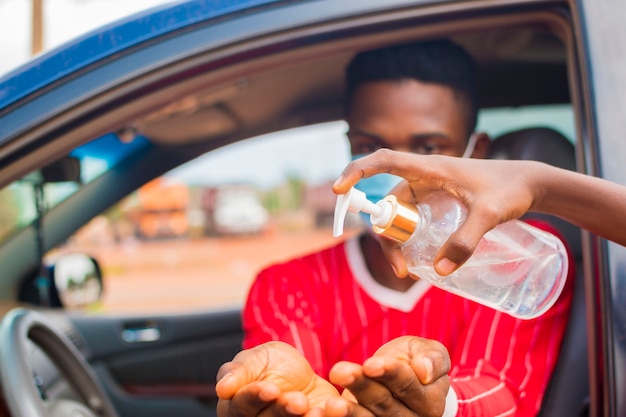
column 516, row 268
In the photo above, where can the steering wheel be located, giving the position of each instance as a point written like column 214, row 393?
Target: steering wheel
column 19, row 327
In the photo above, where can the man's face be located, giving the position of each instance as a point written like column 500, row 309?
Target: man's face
column 407, row 116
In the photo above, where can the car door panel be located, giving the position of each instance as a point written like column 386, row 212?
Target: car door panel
column 169, row 367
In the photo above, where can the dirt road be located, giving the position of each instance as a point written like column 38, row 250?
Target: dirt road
column 193, row 274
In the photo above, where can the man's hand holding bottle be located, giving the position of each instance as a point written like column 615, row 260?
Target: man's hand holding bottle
column 494, row 192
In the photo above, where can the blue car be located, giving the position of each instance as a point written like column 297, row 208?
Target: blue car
column 89, row 129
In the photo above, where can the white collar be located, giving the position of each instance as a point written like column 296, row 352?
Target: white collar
column 403, row 301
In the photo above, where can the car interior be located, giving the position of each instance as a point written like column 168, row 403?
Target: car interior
column 549, row 146
column 174, row 114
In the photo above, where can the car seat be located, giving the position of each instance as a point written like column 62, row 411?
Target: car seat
column 567, row 394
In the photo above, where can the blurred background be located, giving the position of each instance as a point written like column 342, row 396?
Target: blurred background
column 196, row 237
column 30, row 27
column 210, row 224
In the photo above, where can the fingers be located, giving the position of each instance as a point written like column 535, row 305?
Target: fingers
column 428, row 358
column 340, row 407
column 455, row 251
column 386, row 385
column 249, row 400
column 242, row 370
column 377, row 162
column 229, row 380
column 289, row 404
column 406, row 375
column 405, row 381
column 430, row 367
column 403, row 164
column 373, row 396
column 463, row 242
column 263, row 399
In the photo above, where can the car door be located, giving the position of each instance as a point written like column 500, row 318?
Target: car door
column 160, row 365
column 601, row 34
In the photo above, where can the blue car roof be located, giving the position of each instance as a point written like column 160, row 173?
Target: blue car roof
column 111, row 39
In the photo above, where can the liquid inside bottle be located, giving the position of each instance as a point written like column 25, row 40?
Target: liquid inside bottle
column 516, row 268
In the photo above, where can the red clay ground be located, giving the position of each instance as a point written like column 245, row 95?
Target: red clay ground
column 193, row 274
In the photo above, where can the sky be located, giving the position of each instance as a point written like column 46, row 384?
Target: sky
column 264, row 163
column 316, row 154
column 62, row 21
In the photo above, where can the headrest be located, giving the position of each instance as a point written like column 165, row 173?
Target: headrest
column 545, row 145
column 536, row 144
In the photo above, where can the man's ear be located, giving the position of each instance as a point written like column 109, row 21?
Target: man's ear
column 483, row 142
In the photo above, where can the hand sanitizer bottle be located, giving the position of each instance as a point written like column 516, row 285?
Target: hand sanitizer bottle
column 516, row 268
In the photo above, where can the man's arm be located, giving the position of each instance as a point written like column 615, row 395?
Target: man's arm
column 493, row 196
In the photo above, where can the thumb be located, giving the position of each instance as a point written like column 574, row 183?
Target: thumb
column 226, row 386
column 461, row 244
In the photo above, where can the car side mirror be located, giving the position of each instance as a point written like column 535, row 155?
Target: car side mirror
column 77, row 279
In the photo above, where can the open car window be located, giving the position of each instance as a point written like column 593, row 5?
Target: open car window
column 196, row 237
column 498, row 121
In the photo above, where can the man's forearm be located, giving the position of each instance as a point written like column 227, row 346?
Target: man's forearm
column 589, row 202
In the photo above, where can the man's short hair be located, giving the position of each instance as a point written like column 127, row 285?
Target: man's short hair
column 437, row 61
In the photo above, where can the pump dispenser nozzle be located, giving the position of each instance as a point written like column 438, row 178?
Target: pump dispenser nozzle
column 389, row 217
column 383, row 214
column 353, row 201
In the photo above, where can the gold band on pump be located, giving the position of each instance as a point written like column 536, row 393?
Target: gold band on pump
column 403, row 221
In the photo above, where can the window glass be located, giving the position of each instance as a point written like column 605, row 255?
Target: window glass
column 502, row 120
column 17, row 200
column 195, row 238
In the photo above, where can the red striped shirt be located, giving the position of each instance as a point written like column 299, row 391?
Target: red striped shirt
column 329, row 307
